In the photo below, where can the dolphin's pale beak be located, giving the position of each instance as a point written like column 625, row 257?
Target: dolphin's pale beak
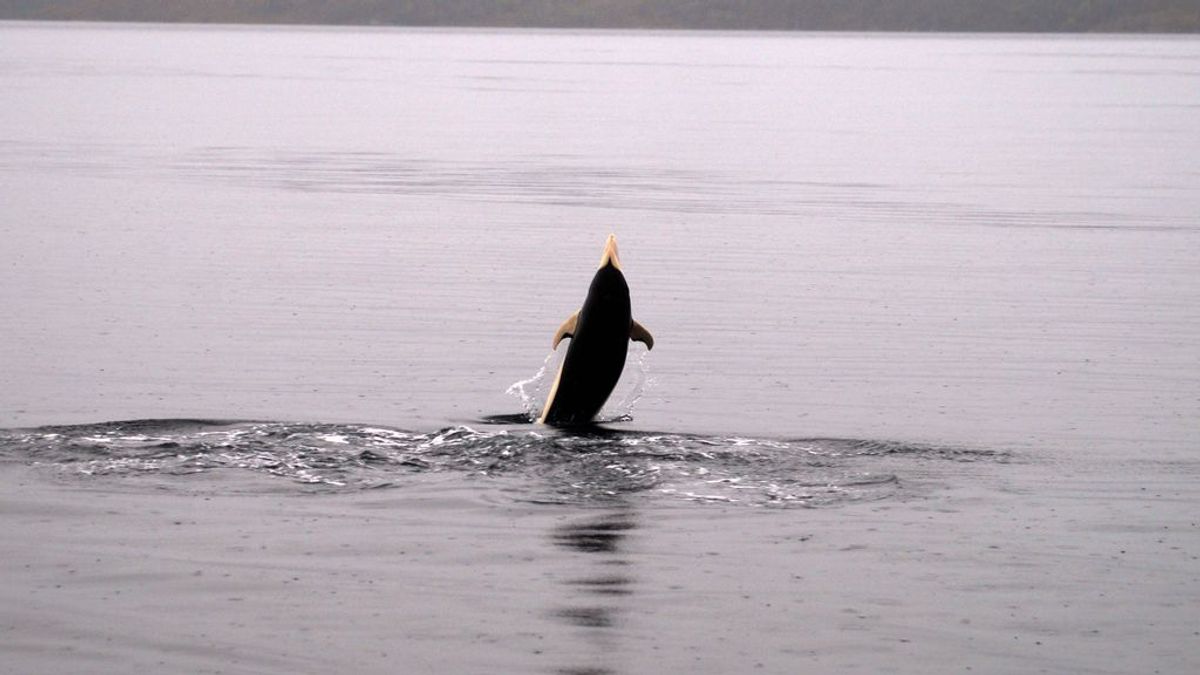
column 610, row 253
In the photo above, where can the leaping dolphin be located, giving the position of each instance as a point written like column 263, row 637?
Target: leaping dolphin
column 600, row 333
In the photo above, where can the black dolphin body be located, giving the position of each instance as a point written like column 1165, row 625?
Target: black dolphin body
column 600, row 332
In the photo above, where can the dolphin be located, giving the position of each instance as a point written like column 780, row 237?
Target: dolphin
column 600, row 333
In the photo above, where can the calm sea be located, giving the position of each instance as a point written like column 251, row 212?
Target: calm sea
column 973, row 259
column 980, row 240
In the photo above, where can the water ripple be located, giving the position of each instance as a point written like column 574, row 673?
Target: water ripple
column 550, row 466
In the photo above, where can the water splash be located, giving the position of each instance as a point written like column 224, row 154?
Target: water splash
column 537, row 465
column 622, row 411
column 533, row 391
column 530, row 391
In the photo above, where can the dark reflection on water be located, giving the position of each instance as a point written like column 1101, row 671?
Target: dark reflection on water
column 612, row 584
column 597, row 600
column 588, row 617
column 596, row 535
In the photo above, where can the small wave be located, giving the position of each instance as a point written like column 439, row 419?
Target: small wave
column 549, row 465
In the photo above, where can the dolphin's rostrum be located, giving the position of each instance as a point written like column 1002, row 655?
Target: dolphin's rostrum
column 600, row 332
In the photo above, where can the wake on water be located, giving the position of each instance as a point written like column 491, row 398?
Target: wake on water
column 544, row 464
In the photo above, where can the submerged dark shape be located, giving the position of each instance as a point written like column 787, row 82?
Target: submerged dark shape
column 600, row 332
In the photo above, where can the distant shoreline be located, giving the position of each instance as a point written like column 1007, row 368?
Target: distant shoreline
column 860, row 16
column 598, row 29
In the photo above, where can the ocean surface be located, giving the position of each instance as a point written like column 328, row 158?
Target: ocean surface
column 925, row 392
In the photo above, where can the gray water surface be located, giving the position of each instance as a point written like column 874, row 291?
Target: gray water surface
column 986, row 240
column 924, row 392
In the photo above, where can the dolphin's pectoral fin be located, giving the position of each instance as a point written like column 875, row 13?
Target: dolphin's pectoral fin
column 638, row 333
column 566, row 330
